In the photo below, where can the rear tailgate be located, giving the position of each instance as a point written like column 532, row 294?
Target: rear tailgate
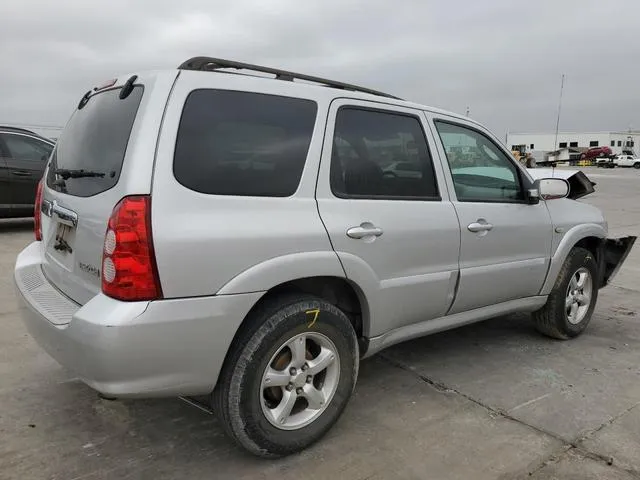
column 105, row 153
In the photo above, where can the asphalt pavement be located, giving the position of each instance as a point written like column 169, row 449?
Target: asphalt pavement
column 491, row 400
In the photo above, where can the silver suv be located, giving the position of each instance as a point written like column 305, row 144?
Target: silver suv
column 207, row 232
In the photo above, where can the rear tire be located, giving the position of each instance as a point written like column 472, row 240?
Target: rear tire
column 573, row 298
column 636, row 165
column 288, row 376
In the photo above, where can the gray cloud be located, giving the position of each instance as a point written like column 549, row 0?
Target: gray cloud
column 501, row 58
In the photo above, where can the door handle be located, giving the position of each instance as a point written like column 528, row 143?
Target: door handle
column 365, row 229
column 480, row 226
column 21, row 174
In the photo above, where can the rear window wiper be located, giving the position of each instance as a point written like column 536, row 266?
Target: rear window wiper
column 76, row 173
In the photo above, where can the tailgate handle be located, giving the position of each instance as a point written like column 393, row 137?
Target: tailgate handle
column 65, row 216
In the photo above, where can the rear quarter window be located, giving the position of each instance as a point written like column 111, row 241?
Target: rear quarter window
column 242, row 143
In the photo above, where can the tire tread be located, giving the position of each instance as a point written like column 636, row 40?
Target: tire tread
column 261, row 322
column 546, row 319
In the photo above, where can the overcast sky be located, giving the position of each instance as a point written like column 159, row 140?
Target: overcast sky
column 501, row 58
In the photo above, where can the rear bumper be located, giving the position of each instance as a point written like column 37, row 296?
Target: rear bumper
column 130, row 349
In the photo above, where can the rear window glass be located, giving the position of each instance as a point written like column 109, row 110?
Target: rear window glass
column 95, row 140
column 240, row 143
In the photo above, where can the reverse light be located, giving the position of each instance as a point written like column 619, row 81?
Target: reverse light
column 37, row 210
column 129, row 270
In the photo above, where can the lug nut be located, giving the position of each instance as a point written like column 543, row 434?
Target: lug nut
column 304, row 367
column 299, row 391
column 289, row 387
column 292, row 371
column 309, row 378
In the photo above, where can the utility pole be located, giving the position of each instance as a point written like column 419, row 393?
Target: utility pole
column 467, row 113
column 555, row 143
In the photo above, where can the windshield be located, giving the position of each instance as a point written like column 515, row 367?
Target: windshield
column 95, row 141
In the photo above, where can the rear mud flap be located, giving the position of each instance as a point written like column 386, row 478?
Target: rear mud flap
column 614, row 253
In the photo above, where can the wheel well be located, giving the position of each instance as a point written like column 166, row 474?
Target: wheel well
column 338, row 291
column 335, row 290
column 592, row 244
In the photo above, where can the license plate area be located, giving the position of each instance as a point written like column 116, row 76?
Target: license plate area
column 61, row 243
column 61, row 246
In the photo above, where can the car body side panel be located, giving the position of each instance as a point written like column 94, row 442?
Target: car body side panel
column 276, row 271
column 409, row 273
column 509, row 261
column 202, row 242
column 567, row 242
column 5, row 186
column 572, row 221
column 402, row 334
column 26, row 158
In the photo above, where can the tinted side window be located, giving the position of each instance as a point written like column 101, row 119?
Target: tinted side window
column 380, row 155
column 240, row 143
column 481, row 171
column 25, row 148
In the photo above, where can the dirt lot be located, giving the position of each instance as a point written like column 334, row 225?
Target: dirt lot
column 492, row 400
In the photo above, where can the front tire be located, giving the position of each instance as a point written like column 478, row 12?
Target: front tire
column 289, row 375
column 571, row 303
column 636, row 165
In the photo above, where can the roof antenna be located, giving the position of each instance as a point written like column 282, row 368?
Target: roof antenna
column 555, row 144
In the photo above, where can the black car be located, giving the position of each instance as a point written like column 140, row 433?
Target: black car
column 23, row 158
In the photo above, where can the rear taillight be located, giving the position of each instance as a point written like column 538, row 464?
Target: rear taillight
column 129, row 269
column 37, row 209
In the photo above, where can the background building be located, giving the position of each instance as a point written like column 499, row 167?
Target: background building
column 543, row 143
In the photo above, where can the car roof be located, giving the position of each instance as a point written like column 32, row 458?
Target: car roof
column 322, row 86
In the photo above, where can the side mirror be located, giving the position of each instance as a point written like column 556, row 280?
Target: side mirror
column 552, row 188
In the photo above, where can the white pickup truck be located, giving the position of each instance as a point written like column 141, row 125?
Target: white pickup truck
column 626, row 161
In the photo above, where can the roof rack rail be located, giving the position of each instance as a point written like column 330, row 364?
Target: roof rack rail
column 209, row 64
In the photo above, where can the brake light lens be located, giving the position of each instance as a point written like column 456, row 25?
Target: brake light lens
column 129, row 270
column 37, row 209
